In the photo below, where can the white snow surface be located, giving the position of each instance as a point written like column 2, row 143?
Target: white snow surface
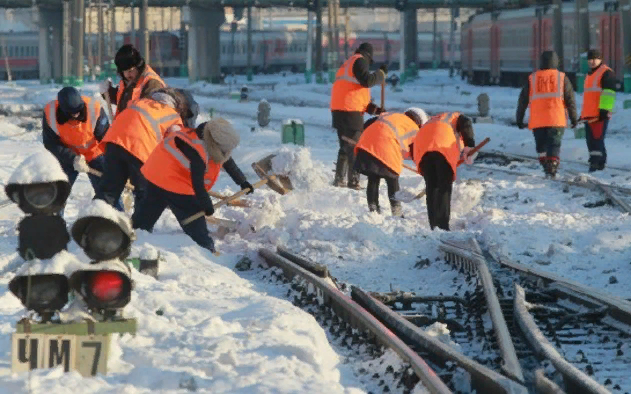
column 231, row 332
column 39, row 167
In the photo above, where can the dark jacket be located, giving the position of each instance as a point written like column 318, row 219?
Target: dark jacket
column 198, row 170
column 53, row 143
column 354, row 120
column 150, row 87
column 549, row 61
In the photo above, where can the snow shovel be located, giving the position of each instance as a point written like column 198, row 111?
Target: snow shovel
column 279, row 183
column 109, row 106
column 472, row 152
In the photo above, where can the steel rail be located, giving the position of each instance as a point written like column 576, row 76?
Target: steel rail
column 358, row 317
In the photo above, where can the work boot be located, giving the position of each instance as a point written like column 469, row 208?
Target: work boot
column 374, row 208
column 397, row 210
column 353, row 180
column 595, row 166
column 340, row 170
column 551, row 168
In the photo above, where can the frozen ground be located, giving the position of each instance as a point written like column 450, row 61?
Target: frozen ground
column 234, row 333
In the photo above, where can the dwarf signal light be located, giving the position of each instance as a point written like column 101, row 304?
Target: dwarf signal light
column 43, row 293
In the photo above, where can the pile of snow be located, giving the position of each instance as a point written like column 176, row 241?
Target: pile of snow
column 296, row 163
column 62, row 263
column 39, row 167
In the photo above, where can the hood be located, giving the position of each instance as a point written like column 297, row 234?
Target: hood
column 549, row 60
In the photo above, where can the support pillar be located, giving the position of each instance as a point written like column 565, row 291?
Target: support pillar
column 347, row 27
column 100, row 35
column 557, row 26
column 203, row 44
column 76, row 71
column 249, row 44
column 132, row 33
column 582, row 30
column 113, row 48
column 309, row 65
column 184, row 44
column 625, row 18
column 410, row 41
column 144, row 31
column 455, row 12
column 88, row 40
column 331, row 36
column 50, row 44
column 336, row 35
column 67, row 17
column 435, row 42
column 318, row 42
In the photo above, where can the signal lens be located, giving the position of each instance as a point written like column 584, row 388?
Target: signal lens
column 106, row 286
column 40, row 195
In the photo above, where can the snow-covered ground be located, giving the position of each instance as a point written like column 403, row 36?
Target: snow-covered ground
column 233, row 332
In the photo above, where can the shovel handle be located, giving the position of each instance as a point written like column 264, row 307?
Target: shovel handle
column 383, row 94
column 109, row 105
column 477, row 148
column 98, row 173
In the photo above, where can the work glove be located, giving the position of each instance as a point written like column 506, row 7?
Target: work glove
column 521, row 125
column 379, row 111
column 574, row 124
column 247, row 185
column 372, row 109
column 105, row 85
column 604, row 115
column 468, row 160
column 384, row 68
column 209, row 209
column 80, row 165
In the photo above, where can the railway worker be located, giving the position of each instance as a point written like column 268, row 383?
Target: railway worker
column 181, row 171
column 599, row 98
column 350, row 98
column 138, row 80
column 73, row 125
column 135, row 133
column 380, row 152
column 436, row 150
column 548, row 93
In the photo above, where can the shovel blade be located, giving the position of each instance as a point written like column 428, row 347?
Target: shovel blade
column 281, row 184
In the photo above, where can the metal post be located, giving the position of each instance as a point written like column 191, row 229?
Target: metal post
column 318, row 41
column 184, row 18
column 435, row 42
column 452, row 40
column 100, row 38
column 113, row 32
column 233, row 30
column 331, row 46
column 309, row 66
column 132, row 34
column 249, row 43
column 336, row 45
column 66, row 42
column 347, row 27
column 625, row 19
column 403, row 47
column 77, row 41
column 557, row 26
column 89, row 40
column 144, row 31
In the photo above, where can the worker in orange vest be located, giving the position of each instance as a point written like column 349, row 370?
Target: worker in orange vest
column 181, row 171
column 350, row 98
column 438, row 146
column 138, row 80
column 380, row 152
column 135, row 133
column 548, row 93
column 73, row 125
column 599, row 99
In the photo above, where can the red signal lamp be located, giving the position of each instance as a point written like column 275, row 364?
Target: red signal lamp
column 106, row 286
column 106, row 289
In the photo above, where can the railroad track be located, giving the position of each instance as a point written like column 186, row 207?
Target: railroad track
column 584, row 333
column 438, row 366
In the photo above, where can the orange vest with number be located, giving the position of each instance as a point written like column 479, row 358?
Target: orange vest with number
column 145, row 77
column 347, row 93
column 439, row 135
column 591, row 93
column 76, row 135
column 547, row 107
column 141, row 127
column 388, row 139
column 169, row 169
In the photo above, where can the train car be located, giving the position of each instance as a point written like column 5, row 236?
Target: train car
column 504, row 47
column 20, row 51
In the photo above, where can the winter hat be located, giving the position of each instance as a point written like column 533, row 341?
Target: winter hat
column 365, row 49
column 417, row 115
column 70, row 101
column 128, row 57
column 594, row 54
column 220, row 139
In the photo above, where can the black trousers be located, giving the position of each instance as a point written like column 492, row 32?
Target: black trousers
column 346, row 158
column 120, row 165
column 372, row 190
column 596, row 145
column 438, row 186
column 548, row 142
column 156, row 200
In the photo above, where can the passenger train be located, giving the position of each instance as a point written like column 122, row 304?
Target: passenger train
column 272, row 51
column 506, row 49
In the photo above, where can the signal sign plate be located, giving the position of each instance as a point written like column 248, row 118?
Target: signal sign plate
column 85, row 354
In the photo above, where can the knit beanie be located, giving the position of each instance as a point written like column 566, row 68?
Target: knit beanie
column 220, row 139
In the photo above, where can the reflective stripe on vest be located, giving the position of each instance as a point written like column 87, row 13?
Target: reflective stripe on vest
column 446, row 118
column 347, row 69
column 595, row 80
column 155, row 123
column 558, row 93
column 169, row 145
column 91, row 114
column 400, row 139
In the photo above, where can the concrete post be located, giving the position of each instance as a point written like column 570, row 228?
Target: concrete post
column 132, row 33
column 249, row 44
column 336, row 35
column 77, row 42
column 50, row 43
column 557, row 26
column 100, row 35
column 582, row 36
column 184, row 44
column 452, row 41
column 331, row 36
column 89, row 40
column 410, row 38
column 144, row 32
column 435, row 42
column 318, row 41
column 347, row 27
column 403, row 47
column 113, row 48
column 625, row 18
column 66, row 42
column 203, row 44
column 309, row 65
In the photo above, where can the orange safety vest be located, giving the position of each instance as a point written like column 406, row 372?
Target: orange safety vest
column 145, row 77
column 169, row 169
column 347, row 93
column 547, row 107
column 76, row 135
column 591, row 93
column 388, row 139
column 439, row 135
column 141, row 127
